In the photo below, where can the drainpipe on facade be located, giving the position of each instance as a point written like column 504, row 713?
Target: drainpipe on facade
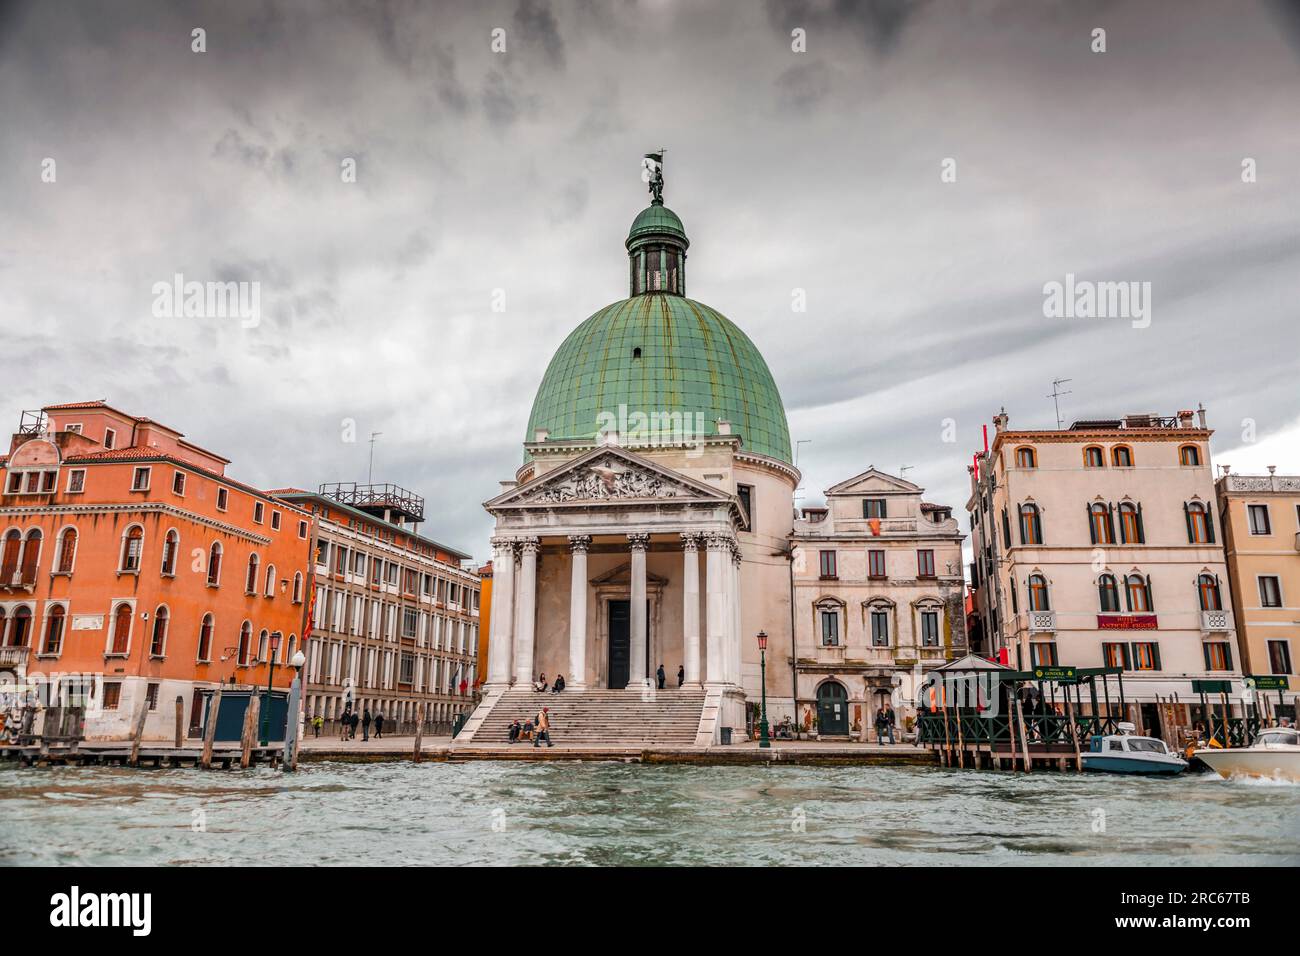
column 794, row 667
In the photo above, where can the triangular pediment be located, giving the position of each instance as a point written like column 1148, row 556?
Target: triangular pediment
column 973, row 662
column 609, row 474
column 623, row 575
column 874, row 480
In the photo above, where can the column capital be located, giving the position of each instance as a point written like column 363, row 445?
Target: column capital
column 502, row 543
column 579, row 543
column 638, row 541
column 690, row 541
column 530, row 545
column 717, row 541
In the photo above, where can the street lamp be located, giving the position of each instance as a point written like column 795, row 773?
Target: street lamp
column 763, row 739
column 274, row 651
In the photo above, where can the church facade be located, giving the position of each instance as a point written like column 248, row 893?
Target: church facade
column 650, row 524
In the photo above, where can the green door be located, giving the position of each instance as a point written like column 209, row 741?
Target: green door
column 832, row 709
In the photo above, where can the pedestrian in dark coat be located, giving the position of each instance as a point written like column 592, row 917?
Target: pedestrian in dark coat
column 379, row 725
column 365, row 725
column 659, row 675
column 681, row 675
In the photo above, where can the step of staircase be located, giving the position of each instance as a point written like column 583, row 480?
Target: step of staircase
column 597, row 717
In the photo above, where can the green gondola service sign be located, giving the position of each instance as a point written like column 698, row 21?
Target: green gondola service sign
column 1055, row 673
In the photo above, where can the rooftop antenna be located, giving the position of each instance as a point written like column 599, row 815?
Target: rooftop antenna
column 370, row 476
column 904, row 469
column 1056, row 397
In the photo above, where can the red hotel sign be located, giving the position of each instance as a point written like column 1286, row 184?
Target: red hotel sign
column 1126, row 622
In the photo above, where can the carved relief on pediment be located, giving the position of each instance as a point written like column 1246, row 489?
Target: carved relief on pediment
column 605, row 480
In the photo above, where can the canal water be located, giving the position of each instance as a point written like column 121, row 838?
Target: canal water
column 509, row 813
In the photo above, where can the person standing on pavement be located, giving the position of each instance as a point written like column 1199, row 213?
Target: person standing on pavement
column 681, row 674
column 543, row 728
column 365, row 724
column 379, row 725
column 660, row 676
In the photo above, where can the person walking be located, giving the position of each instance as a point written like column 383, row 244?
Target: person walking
column 354, row 723
column 379, row 725
column 681, row 674
column 317, row 723
column 543, row 728
column 345, row 724
column 365, row 724
column 885, row 724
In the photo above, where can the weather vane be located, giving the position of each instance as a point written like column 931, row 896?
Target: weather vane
column 653, row 173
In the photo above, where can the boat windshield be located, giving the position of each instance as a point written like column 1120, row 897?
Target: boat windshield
column 1278, row 738
column 1146, row 745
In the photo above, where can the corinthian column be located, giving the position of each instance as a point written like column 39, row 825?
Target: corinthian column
column 637, row 669
column 716, row 607
column 691, row 607
column 578, row 545
column 525, row 638
column 501, row 626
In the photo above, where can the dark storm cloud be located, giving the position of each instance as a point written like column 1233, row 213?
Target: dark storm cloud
column 483, row 175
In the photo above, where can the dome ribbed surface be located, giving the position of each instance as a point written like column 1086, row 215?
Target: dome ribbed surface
column 692, row 360
column 654, row 220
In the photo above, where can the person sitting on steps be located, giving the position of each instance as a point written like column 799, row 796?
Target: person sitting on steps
column 539, row 685
column 558, row 685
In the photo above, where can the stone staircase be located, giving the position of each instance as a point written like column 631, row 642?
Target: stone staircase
column 593, row 718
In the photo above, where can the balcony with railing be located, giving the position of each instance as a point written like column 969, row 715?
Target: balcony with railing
column 1042, row 622
column 13, row 656
column 376, row 500
column 1216, row 622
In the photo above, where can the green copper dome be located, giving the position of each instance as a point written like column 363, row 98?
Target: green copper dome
column 657, row 219
column 658, row 353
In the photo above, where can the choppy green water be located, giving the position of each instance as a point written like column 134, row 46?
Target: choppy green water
column 617, row 814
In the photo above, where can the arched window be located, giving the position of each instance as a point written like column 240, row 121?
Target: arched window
column 297, row 587
column 1099, row 523
column 1038, row 596
column 1121, row 456
column 20, row 631
column 1130, row 523
column 264, row 645
column 1093, row 457
column 9, row 562
column 1031, row 527
column 245, row 643
column 132, row 548
column 1138, row 589
column 1026, row 457
column 158, row 646
column 54, row 622
column 293, row 646
column 270, row 581
column 121, row 629
column 214, row 564
column 250, row 585
column 171, row 551
column 1200, row 530
column 31, row 555
column 829, row 622
column 205, row 638
column 67, row 550
column 1107, row 593
column 1207, row 585
column 1189, row 456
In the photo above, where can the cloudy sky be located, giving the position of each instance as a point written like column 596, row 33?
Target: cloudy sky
column 518, row 171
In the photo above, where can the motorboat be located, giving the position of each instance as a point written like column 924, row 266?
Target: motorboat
column 1126, row 752
column 1274, row 755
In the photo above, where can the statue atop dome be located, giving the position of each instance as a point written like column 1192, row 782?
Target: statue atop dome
column 653, row 166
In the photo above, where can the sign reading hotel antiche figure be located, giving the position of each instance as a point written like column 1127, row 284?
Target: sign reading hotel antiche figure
column 1126, row 622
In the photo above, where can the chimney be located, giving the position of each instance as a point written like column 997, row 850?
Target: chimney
column 724, row 427
column 1000, row 420
column 1200, row 414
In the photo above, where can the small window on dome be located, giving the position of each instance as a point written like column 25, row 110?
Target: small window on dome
column 636, row 353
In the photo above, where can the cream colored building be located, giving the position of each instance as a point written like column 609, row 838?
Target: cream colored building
column 878, row 591
column 1260, row 515
column 1098, row 545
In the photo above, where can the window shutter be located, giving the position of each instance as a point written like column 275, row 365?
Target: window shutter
column 1205, row 652
column 1209, row 523
column 1187, row 517
column 1092, row 527
column 1128, row 595
column 1128, row 660
column 1020, row 512
column 1155, row 654
column 1110, row 519
column 884, row 507
column 1227, row 654
column 1133, row 648
column 1142, row 534
column 1151, row 595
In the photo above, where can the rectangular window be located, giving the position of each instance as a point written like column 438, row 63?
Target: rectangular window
column 76, row 481
column 830, row 628
column 746, row 495
column 48, row 480
column 873, row 507
column 140, row 479
column 410, row 617
column 929, row 628
column 178, row 483
column 925, row 563
column 1279, row 657
column 223, row 498
column 275, row 521
column 302, row 530
column 876, row 564
column 828, row 564
column 1146, row 656
column 259, row 512
column 74, row 427
column 322, row 553
column 408, row 669
column 1218, row 656
column 151, row 696
column 1043, row 654
column 110, row 438
column 1257, row 516
column 1115, row 655
column 1270, row 591
column 879, row 628
column 112, row 695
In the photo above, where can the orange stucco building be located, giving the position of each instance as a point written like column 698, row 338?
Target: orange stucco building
column 133, row 567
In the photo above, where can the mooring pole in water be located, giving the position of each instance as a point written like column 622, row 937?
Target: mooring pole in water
column 210, row 731
column 1074, row 735
column 1028, row 762
column 250, row 731
column 180, row 711
column 419, row 732
column 138, row 734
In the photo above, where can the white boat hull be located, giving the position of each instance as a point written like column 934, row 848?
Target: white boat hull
column 1254, row 762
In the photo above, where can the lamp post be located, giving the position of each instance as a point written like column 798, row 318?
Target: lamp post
column 763, row 739
column 289, row 761
column 274, row 651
